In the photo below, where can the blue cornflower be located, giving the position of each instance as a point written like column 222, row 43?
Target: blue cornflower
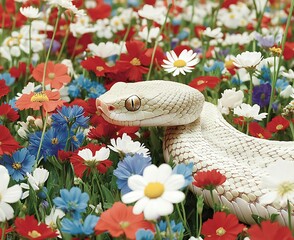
column 177, row 229
column 53, row 141
column 129, row 166
column 19, row 163
column 83, row 82
column 261, row 94
column 267, row 41
column 143, row 234
column 186, row 170
column 72, row 201
column 281, row 84
column 72, row 117
column 9, row 80
column 76, row 226
column 96, row 90
column 265, row 74
column 76, row 140
column 73, row 89
column 216, row 65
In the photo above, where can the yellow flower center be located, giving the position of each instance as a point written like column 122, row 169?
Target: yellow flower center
column 200, row 82
column 99, row 68
column 54, row 141
column 74, row 138
column 34, row 234
column 220, row 231
column 135, row 62
column 154, row 190
column 279, row 127
column 276, row 50
column 39, row 97
column 124, row 224
column 51, row 75
column 180, row 63
column 16, row 166
column 285, row 188
column 260, row 135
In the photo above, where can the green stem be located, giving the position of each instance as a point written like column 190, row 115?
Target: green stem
column 212, row 199
column 290, row 216
column 30, row 52
column 50, row 47
column 169, row 232
column 64, row 41
column 273, row 85
column 200, row 225
column 250, row 87
column 183, row 217
column 3, row 230
column 126, row 34
column 156, row 43
column 42, row 138
column 292, row 129
column 100, row 189
column 247, row 127
column 191, row 20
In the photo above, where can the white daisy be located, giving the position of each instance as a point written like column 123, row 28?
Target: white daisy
column 247, row 59
column 30, row 12
column 38, row 178
column 280, row 182
column 213, row 33
column 155, row 191
column 289, row 75
column 125, row 145
column 230, row 99
column 183, row 63
column 104, row 50
column 247, row 111
column 101, row 155
column 7, row 195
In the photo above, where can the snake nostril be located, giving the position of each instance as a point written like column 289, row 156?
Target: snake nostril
column 111, row 107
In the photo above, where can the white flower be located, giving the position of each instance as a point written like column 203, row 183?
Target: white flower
column 67, row 4
column 182, row 64
column 230, row 99
column 125, row 145
column 151, row 35
column 156, row 14
column 289, row 74
column 30, row 12
column 104, row 50
column 7, row 195
column 100, row 155
column 38, row 178
column 155, row 191
column 194, row 238
column 51, row 219
column 247, row 59
column 287, row 92
column 280, row 182
column 213, row 33
column 248, row 111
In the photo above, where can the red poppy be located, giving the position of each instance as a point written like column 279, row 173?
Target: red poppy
column 64, row 156
column 102, row 10
column 95, row 64
column 269, row 231
column 81, row 165
column 178, row 49
column 7, row 143
column 230, row 67
column 4, row 90
column 8, row 113
column 278, row 123
column 120, row 221
column 56, row 74
column 209, row 179
column 222, row 226
column 134, row 63
column 47, row 99
column 203, row 82
column 18, row 71
column 29, row 228
column 258, row 131
column 239, row 121
column 288, row 50
column 76, row 46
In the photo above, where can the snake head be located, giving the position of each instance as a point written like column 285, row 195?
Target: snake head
column 150, row 103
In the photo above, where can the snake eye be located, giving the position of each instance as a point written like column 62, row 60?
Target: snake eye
column 133, row 103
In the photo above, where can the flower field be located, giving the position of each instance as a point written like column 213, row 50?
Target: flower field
column 67, row 173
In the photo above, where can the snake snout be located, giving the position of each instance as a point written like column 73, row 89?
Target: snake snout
column 103, row 107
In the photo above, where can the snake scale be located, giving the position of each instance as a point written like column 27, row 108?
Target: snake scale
column 197, row 132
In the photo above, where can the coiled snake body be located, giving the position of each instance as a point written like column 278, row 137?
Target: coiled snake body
column 196, row 132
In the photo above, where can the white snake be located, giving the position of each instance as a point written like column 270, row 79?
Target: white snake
column 196, row 132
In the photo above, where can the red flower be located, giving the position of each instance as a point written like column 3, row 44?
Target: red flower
column 7, row 143
column 81, row 165
column 95, row 64
column 203, row 82
column 56, row 74
column 18, row 71
column 47, row 99
column 120, row 221
column 64, row 156
column 101, row 11
column 278, row 123
column 239, row 120
column 222, row 226
column 209, row 179
column 289, row 50
column 75, row 46
column 4, row 90
column 133, row 63
column 29, row 228
column 8, row 113
column 269, row 231
column 258, row 131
